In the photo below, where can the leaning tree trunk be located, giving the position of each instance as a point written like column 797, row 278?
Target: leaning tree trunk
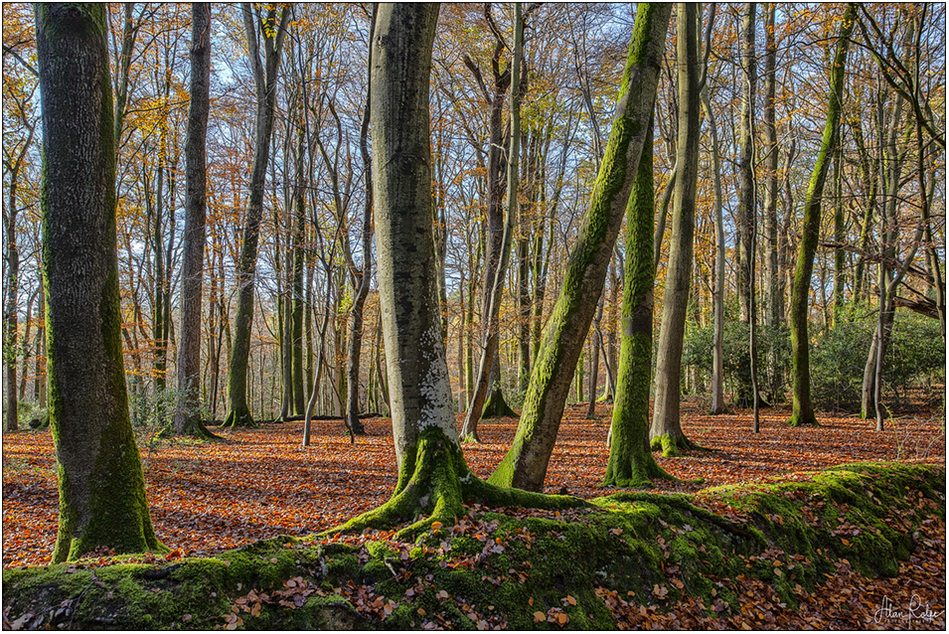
column 265, row 80
column 433, row 475
column 101, row 486
column 631, row 463
column 187, row 415
column 666, row 431
column 525, row 464
column 802, row 410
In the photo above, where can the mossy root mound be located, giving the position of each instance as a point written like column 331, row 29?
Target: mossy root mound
column 628, row 554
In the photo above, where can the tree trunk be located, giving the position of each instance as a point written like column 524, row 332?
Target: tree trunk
column 433, row 476
column 187, row 415
column 631, row 463
column 666, row 431
column 265, row 80
column 499, row 230
column 802, row 411
column 362, row 290
column 101, row 486
column 525, row 464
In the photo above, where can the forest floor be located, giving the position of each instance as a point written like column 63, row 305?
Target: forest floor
column 209, row 497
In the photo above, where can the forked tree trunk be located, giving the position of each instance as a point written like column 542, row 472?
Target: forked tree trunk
column 433, row 476
column 802, row 410
column 187, row 414
column 525, row 464
column 666, row 431
column 101, row 486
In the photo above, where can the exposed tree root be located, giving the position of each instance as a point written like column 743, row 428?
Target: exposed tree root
column 435, row 481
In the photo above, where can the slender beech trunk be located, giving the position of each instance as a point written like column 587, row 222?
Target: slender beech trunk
column 265, row 81
column 362, row 289
column 666, row 431
column 718, row 328
column 802, row 411
column 771, row 193
column 495, row 273
column 187, row 414
column 525, row 464
column 746, row 213
column 101, row 486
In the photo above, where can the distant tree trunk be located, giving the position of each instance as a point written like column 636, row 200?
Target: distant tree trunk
column 666, row 431
column 296, row 296
column 265, row 80
column 525, row 464
column 12, row 285
column 187, row 415
column 101, row 486
column 39, row 374
column 802, row 410
column 771, row 194
column 631, row 463
column 363, row 278
column 746, row 168
column 498, row 250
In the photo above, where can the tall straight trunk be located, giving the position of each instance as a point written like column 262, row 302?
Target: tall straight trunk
column 802, row 411
column 631, row 463
column 525, row 464
column 746, row 175
column 187, row 414
column 594, row 361
column 666, row 431
column 296, row 296
column 840, row 262
column 498, row 250
column 772, row 317
column 718, row 297
column 265, row 82
column 12, row 285
column 101, row 486
column 362, row 289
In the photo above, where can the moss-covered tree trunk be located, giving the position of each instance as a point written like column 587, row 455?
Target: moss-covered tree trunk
column 666, row 431
column 631, row 463
column 525, row 464
column 802, row 410
column 188, row 411
column 101, row 487
column 265, row 80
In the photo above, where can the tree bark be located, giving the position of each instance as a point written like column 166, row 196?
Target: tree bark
column 265, row 81
column 746, row 168
column 666, row 431
column 101, row 486
column 802, row 411
column 499, row 229
column 525, row 464
column 362, row 288
column 433, row 476
column 631, row 463
column 187, row 415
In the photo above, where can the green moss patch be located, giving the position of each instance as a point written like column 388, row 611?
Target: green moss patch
column 624, row 557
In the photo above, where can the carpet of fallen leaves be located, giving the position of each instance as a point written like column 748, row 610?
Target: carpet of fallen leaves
column 209, row 497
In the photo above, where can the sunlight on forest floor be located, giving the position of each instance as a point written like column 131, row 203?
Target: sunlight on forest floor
column 206, row 498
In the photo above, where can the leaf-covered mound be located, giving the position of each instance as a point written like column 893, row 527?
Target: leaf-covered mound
column 813, row 548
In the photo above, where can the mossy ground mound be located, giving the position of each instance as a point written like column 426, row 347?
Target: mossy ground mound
column 627, row 556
